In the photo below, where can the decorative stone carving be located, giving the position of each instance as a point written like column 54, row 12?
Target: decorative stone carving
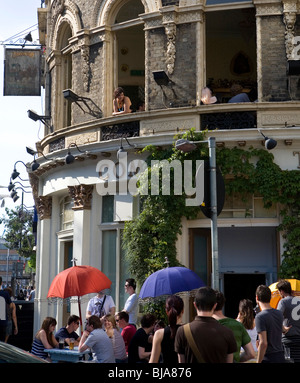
column 289, row 19
column 57, row 9
column 82, row 196
column 44, row 207
column 85, row 54
column 170, row 30
column 63, row 11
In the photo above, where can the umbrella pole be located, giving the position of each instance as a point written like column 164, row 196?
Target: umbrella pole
column 79, row 308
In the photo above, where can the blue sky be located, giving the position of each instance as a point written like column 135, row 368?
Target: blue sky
column 16, row 130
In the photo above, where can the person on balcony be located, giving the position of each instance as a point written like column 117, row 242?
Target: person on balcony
column 207, row 98
column 237, row 94
column 121, row 103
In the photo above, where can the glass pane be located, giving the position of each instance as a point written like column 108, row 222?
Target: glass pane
column 69, row 215
column 107, row 208
column 109, row 239
column 66, row 213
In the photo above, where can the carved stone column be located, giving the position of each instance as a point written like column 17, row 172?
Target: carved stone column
column 44, row 261
column 169, row 21
column 170, row 29
column 289, row 18
column 82, row 196
column 44, row 207
column 84, row 44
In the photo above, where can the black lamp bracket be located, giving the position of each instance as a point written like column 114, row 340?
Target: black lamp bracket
column 89, row 105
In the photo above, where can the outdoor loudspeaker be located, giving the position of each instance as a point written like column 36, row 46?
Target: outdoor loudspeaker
column 293, row 67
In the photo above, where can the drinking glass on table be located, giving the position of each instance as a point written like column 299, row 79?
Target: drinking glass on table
column 61, row 343
column 71, row 345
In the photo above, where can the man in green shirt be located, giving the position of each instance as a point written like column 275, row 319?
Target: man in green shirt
column 240, row 333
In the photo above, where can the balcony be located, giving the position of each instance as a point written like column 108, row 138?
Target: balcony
column 225, row 119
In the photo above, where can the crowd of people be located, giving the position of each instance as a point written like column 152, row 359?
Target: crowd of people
column 8, row 312
column 211, row 337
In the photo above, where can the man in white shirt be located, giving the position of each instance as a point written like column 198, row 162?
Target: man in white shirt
column 131, row 305
column 101, row 305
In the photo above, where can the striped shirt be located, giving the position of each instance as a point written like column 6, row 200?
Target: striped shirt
column 38, row 349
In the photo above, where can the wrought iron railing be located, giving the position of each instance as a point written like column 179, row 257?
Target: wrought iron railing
column 124, row 129
column 228, row 120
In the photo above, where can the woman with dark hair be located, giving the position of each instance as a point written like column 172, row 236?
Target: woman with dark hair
column 246, row 317
column 121, row 103
column 163, row 340
column 45, row 338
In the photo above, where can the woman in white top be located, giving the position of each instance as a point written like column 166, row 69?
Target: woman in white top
column 114, row 334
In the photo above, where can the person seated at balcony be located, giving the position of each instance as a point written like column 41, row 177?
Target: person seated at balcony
column 237, row 94
column 207, row 98
column 121, row 103
column 140, row 106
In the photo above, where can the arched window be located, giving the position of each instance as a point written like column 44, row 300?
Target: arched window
column 63, row 77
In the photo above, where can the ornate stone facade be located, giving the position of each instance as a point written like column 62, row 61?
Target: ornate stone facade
column 82, row 196
column 44, row 207
column 93, row 46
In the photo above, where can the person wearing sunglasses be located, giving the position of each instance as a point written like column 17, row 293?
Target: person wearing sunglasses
column 69, row 331
column 131, row 304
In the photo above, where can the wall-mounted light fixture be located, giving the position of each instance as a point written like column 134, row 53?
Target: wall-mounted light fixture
column 93, row 110
column 15, row 173
column 161, row 78
column 11, row 186
column 270, row 143
column 70, row 158
column 14, row 194
column 44, row 119
column 121, row 149
column 35, row 165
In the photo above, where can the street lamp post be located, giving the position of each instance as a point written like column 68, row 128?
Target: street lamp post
column 214, row 214
column 187, row 146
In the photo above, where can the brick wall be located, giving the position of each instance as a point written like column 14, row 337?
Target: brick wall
column 95, row 84
column 274, row 78
column 182, row 91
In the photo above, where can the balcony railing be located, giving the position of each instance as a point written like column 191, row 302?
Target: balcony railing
column 125, row 129
column 221, row 117
column 228, row 120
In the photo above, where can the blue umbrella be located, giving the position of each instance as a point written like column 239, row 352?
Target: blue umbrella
column 170, row 280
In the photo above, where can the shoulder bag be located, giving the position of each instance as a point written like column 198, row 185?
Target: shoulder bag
column 191, row 342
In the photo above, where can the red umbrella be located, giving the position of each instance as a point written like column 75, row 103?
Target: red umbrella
column 78, row 281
